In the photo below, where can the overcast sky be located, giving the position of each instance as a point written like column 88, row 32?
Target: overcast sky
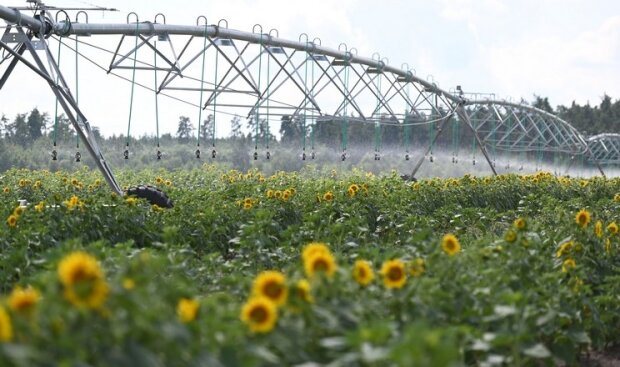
column 567, row 50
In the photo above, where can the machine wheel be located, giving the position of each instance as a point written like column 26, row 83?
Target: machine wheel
column 152, row 194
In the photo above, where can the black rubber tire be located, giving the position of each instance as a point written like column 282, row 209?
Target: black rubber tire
column 408, row 178
column 152, row 194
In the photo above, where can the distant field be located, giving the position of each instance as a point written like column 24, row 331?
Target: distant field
column 339, row 268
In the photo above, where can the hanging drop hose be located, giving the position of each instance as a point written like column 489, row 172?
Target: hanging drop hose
column 303, row 128
column 213, row 152
column 312, row 155
column 133, row 84
column 378, row 122
column 407, row 136
column 473, row 141
column 266, row 132
column 159, row 155
column 345, row 123
column 55, row 134
column 431, row 136
column 260, row 69
column 202, row 83
column 455, row 141
column 78, row 155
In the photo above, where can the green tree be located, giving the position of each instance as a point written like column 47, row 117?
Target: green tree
column 185, row 129
column 36, row 124
column 20, row 129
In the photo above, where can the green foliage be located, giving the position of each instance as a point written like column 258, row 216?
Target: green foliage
column 501, row 300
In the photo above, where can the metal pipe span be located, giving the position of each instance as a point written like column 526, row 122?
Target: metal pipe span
column 61, row 28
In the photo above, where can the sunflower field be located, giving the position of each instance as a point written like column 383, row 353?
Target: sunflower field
column 310, row 268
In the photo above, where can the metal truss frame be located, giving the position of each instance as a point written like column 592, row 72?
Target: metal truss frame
column 263, row 75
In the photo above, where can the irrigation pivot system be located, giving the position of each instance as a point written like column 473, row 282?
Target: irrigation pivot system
column 263, row 77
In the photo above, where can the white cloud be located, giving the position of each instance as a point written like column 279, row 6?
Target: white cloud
column 566, row 69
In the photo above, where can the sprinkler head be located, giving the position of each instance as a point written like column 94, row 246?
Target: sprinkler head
column 268, row 155
column 213, row 154
column 54, row 155
column 158, row 155
column 312, row 155
column 303, row 156
column 78, row 156
column 255, row 156
column 473, row 161
column 407, row 157
column 197, row 153
column 126, row 154
column 343, row 157
column 431, row 158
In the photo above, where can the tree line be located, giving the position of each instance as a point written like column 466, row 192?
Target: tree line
column 26, row 139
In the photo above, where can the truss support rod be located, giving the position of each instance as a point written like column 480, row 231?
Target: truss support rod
column 442, row 126
column 463, row 116
column 67, row 102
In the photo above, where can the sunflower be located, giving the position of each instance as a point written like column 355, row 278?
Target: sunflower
column 351, row 192
column 128, row 283
column 612, row 228
column 82, row 278
column 277, row 194
column 22, row 183
column 87, row 294
column 354, row 187
column 616, row 197
column 520, row 224
column 417, row 267
column 363, row 273
column 328, row 196
column 18, row 211
column 187, row 309
column 510, row 236
column 78, row 267
column 450, row 244
column 73, row 202
column 286, row 195
column 247, row 206
column 314, row 248
column 582, row 218
column 6, row 190
column 40, row 206
column 303, row 291
column 6, row 328
column 598, row 229
column 11, row 221
column 568, row 264
column 168, row 183
column 159, row 180
column 24, row 300
column 394, row 274
column 269, row 194
column 131, row 201
column 320, row 262
column 272, row 285
column 260, row 314
column 564, row 249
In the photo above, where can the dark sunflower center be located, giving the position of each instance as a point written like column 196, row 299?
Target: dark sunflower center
column 395, row 273
column 320, row 265
column 273, row 290
column 258, row 314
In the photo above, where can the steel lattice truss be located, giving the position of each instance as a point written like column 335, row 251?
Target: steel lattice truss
column 263, row 77
column 605, row 149
column 517, row 128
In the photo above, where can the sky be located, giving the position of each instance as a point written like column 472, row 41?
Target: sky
column 566, row 50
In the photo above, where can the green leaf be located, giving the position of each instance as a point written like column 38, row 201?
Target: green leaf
column 537, row 351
